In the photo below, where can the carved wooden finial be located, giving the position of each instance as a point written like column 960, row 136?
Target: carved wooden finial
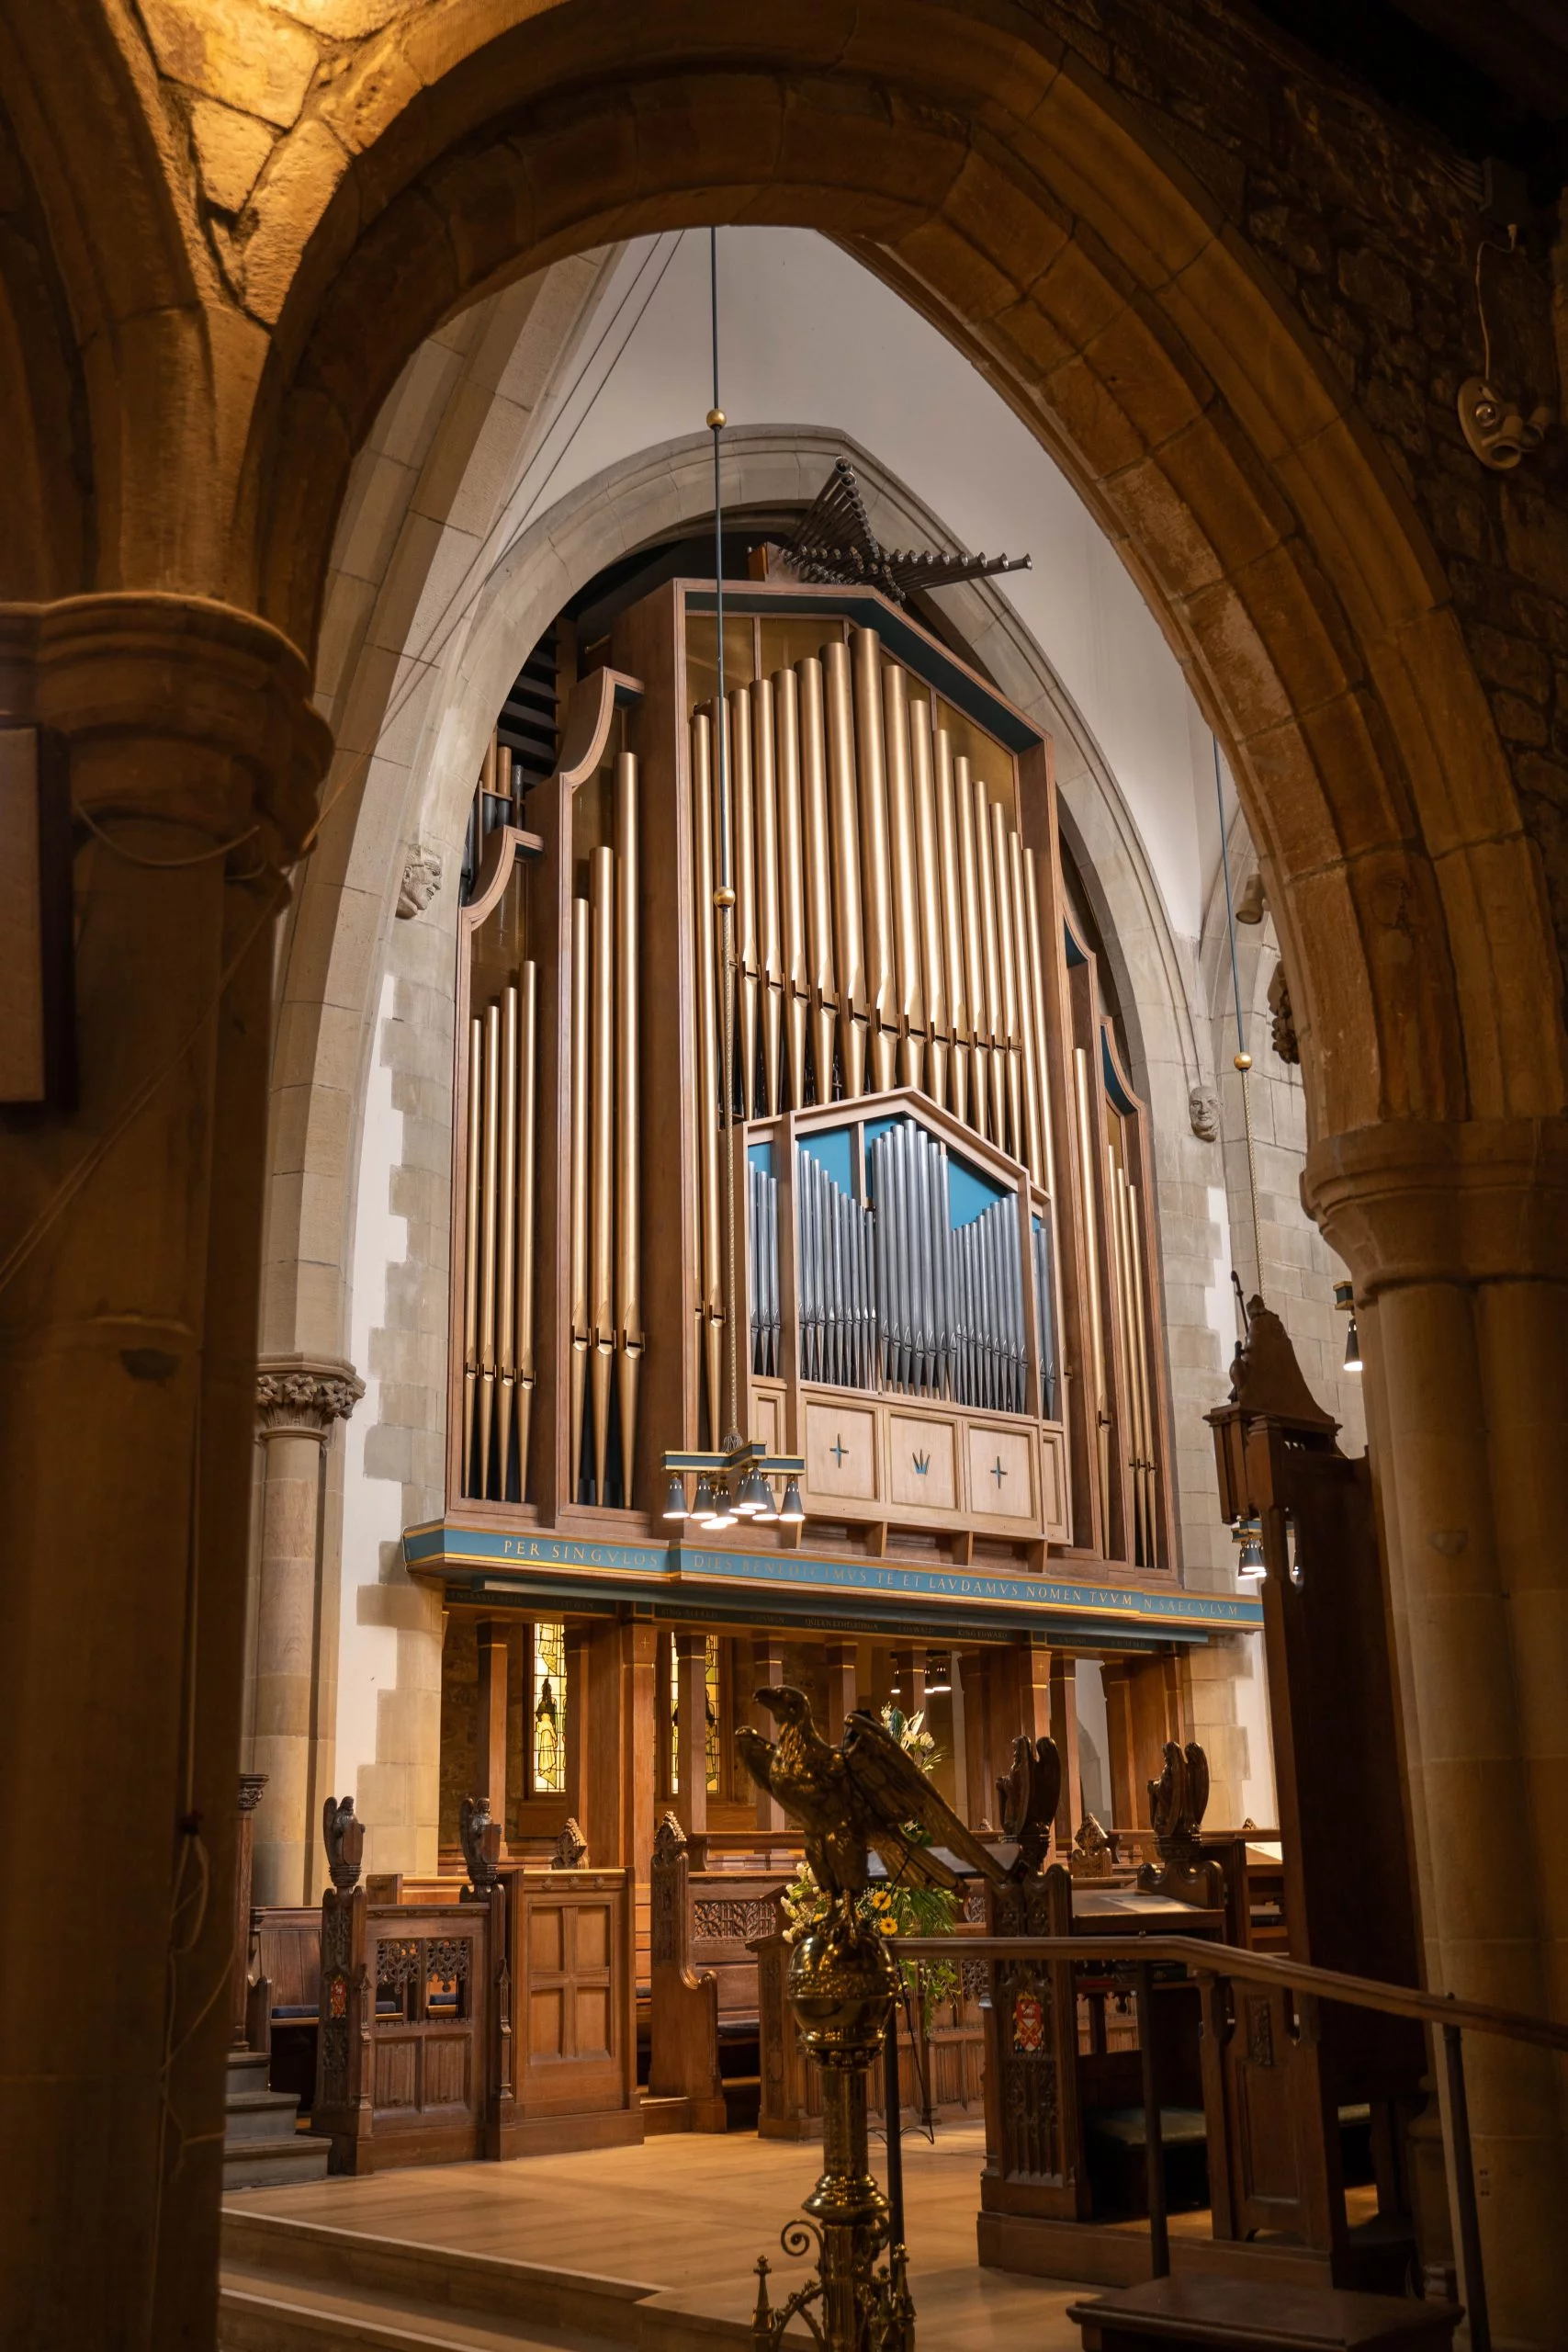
column 571, row 1848
column 480, row 1840
column 344, row 1841
column 669, row 1841
column 1028, row 1798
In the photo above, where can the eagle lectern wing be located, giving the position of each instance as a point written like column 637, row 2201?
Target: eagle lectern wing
column 894, row 1792
column 757, row 1754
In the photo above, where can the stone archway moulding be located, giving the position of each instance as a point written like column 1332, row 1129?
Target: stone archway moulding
column 997, row 182
column 336, row 946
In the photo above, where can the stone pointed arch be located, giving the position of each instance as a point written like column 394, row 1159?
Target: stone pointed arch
column 1002, row 185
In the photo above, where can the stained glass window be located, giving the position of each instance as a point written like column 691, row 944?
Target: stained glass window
column 711, row 1679
column 713, row 1710
column 549, row 1710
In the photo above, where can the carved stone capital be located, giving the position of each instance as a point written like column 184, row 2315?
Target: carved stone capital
column 301, row 1396
column 182, row 716
column 1422, row 1201
column 251, row 1787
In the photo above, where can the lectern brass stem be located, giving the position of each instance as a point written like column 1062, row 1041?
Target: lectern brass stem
column 865, row 662
column 819, row 898
column 528, row 1179
column 792, row 879
column 953, row 928
column 629, row 1115
column 506, row 1250
column 471, row 1175
column 847, row 942
column 710, row 1277
column 1041, row 1040
column 580, row 1054
column 770, row 950
column 487, row 1240
column 910, row 1001
column 602, row 1153
column 1098, row 1402
column 743, row 868
column 928, row 864
column 1029, row 1042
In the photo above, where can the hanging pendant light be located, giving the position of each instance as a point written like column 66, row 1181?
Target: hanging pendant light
column 724, row 1510
column 705, row 1509
column 752, row 1497
column 939, row 1674
column 767, row 1513
column 1345, row 1300
column 675, row 1496
column 792, row 1512
column 1249, row 1560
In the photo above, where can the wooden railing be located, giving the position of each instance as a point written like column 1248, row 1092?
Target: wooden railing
column 1210, row 1962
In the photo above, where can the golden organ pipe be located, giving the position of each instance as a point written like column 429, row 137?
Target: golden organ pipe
column 909, row 1001
column 506, row 1237
column 471, row 1176
column 487, row 1240
column 578, row 1212
column 1007, row 952
column 710, row 1303
column 528, row 1179
column 602, row 1153
column 974, row 951
column 847, row 939
column 1091, row 1251
column 877, row 878
column 819, row 902
column 953, row 928
column 743, row 872
column 1028, row 1042
column 1146, row 1385
column 770, row 950
column 928, row 861
column 792, row 879
column 1037, row 995
column 628, row 1117
column 991, row 940
column 1116, row 1199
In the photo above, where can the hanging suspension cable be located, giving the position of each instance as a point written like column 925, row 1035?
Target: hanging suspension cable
column 723, row 896
column 1243, row 1058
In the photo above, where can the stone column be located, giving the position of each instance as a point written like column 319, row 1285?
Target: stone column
column 1457, row 1238
column 129, row 1230
column 490, row 1743
column 841, row 1659
column 1065, row 1731
column 910, row 1671
column 767, row 1670
column 298, row 1403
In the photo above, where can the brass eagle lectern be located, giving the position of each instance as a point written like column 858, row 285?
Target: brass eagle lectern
column 864, row 1797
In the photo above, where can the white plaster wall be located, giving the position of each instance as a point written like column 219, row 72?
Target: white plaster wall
column 372, row 1504
column 809, row 336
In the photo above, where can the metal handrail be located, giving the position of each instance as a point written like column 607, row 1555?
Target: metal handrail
column 1262, row 1968
column 1143, row 1952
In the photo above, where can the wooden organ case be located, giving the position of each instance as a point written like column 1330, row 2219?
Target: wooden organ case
column 947, row 1286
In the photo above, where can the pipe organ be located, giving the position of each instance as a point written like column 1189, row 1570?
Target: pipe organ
column 945, row 1291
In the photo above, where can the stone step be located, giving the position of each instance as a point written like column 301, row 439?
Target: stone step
column 486, row 2290
column 278, row 2163
column 257, row 2313
column 259, row 2115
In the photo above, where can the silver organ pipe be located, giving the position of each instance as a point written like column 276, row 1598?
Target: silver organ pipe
column 762, row 1247
column 835, row 1280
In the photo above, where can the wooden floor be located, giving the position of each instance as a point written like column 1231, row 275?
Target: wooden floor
column 681, row 2221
